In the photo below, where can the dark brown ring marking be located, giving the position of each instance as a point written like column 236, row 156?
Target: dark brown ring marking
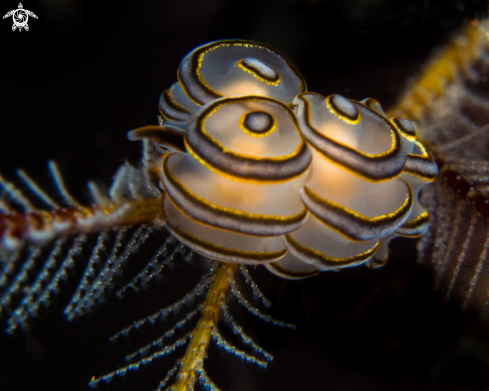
column 200, row 209
column 277, row 268
column 196, row 87
column 373, row 167
column 251, row 65
column 171, row 110
column 320, row 260
column 250, row 168
column 333, row 104
column 220, row 252
column 353, row 225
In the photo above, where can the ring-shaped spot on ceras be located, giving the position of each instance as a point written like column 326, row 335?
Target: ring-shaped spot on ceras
column 236, row 185
column 238, row 67
column 219, row 137
column 352, row 135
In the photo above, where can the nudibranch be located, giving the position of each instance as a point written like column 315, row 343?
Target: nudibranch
column 262, row 172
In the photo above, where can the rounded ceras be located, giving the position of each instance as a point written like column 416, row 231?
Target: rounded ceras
column 235, row 191
column 228, row 68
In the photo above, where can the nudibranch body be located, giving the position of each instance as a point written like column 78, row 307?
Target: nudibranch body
column 262, row 172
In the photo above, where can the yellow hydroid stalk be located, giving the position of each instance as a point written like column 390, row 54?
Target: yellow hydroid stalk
column 192, row 362
column 441, row 71
column 134, row 212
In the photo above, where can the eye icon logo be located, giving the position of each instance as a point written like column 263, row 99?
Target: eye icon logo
column 20, row 16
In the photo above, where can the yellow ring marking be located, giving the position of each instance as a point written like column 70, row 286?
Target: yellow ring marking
column 371, row 103
column 237, row 178
column 351, row 171
column 251, row 255
column 216, row 248
column 257, row 75
column 168, row 117
column 394, row 134
column 296, row 274
column 202, row 51
column 395, row 146
column 371, row 222
column 400, row 128
column 202, row 118
column 228, row 212
column 330, row 260
column 333, row 109
column 266, row 133
column 419, row 221
column 168, row 98
column 200, row 129
column 424, row 151
column 427, row 157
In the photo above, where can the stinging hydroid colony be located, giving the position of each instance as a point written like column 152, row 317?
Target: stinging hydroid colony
column 246, row 167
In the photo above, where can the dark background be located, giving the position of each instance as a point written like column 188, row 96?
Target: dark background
column 88, row 71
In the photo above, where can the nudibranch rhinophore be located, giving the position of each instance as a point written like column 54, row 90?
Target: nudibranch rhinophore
column 258, row 171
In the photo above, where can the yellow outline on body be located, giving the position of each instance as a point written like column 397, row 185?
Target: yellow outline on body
column 402, row 130
column 426, row 156
column 282, row 271
column 266, row 133
column 199, row 53
column 329, row 261
column 394, row 148
column 217, row 248
column 419, row 221
column 336, row 111
column 371, row 222
column 262, row 78
column 251, row 217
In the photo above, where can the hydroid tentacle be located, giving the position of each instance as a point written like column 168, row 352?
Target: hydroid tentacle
column 133, row 199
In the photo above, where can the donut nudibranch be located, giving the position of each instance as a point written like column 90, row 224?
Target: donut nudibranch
column 259, row 171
